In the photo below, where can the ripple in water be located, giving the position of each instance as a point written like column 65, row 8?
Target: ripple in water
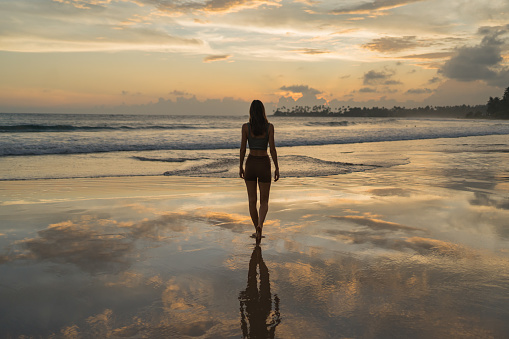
column 290, row 165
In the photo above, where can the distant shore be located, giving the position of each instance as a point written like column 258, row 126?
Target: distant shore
column 459, row 111
column 495, row 108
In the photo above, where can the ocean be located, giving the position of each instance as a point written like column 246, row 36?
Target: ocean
column 57, row 146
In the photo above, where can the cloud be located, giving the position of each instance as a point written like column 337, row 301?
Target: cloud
column 79, row 26
column 210, row 6
column 188, row 104
column 419, row 91
column 300, row 95
column 149, row 36
column 128, row 93
column 212, row 58
column 179, row 93
column 376, row 5
column 392, row 44
column 435, row 55
column 367, row 90
column 481, row 62
column 302, row 89
column 434, row 80
column 375, row 78
column 454, row 92
column 85, row 4
column 311, row 51
column 393, row 82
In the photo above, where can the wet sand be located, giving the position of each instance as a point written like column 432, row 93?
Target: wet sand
column 419, row 249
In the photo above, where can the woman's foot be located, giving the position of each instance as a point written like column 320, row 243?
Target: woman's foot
column 258, row 234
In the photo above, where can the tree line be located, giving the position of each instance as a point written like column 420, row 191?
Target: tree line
column 496, row 108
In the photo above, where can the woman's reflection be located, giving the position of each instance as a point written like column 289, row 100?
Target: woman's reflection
column 257, row 319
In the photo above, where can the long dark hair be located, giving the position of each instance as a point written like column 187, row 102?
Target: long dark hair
column 257, row 118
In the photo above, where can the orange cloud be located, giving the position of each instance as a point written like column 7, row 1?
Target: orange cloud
column 214, row 6
column 373, row 7
column 212, row 58
column 311, row 51
column 427, row 56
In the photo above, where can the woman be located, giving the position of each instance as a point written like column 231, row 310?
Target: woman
column 259, row 133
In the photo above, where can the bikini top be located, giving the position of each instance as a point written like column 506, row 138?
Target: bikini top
column 257, row 143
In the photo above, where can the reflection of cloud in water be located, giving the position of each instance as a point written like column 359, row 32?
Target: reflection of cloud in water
column 493, row 210
column 133, row 279
column 391, row 191
column 184, row 310
column 186, row 301
column 429, row 297
column 423, row 246
column 84, row 245
column 426, row 246
column 409, row 274
column 160, row 228
column 4, row 259
column 99, row 245
column 375, row 223
column 233, row 222
column 485, row 199
column 425, row 296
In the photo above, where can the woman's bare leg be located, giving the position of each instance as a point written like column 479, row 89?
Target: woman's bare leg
column 264, row 202
column 252, row 196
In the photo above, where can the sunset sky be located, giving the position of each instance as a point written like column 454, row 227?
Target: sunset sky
column 210, row 56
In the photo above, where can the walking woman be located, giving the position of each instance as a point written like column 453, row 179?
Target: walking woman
column 258, row 133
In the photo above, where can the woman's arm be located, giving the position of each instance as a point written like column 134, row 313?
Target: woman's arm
column 243, row 143
column 273, row 152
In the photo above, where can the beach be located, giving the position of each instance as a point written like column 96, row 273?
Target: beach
column 124, row 212
column 382, row 239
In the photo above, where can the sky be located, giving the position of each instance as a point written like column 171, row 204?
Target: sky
column 216, row 56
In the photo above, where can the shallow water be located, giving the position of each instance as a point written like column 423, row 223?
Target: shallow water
column 417, row 247
column 59, row 146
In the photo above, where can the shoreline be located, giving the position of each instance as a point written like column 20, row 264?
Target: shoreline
column 300, row 161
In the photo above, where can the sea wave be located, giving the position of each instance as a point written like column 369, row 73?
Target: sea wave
column 166, row 159
column 295, row 165
column 200, row 141
column 330, row 123
column 33, row 128
column 227, row 167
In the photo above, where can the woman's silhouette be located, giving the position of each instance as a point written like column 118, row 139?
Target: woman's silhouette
column 257, row 319
column 259, row 133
